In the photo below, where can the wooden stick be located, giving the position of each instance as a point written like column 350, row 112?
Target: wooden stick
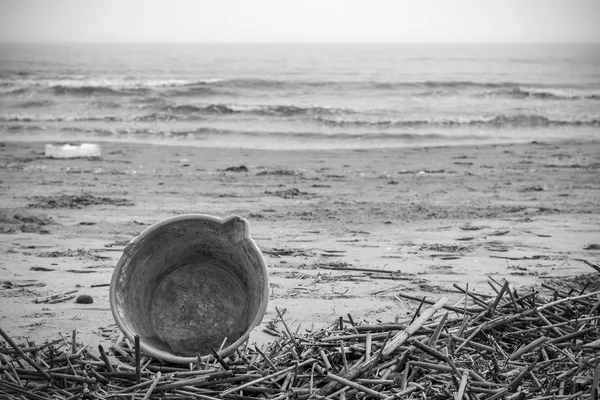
column 105, row 359
column 22, row 391
column 573, row 335
column 333, row 338
column 513, row 299
column 346, row 382
column 11, row 368
column 75, row 378
column 591, row 264
column 438, row 329
column 515, row 382
column 499, row 296
column 368, row 344
column 220, row 360
column 287, row 329
column 351, row 319
column 442, row 357
column 393, row 344
column 186, row 395
column 281, row 372
column 23, row 356
column 444, row 368
column 380, row 327
column 471, row 295
column 56, row 296
column 400, row 395
column 379, row 354
column 193, row 381
column 74, row 342
column 375, row 381
column 153, row 386
column 33, row 349
column 138, row 370
column 527, row 348
column 134, row 387
column 467, row 340
column 449, row 308
column 265, row 357
column 96, row 375
column 416, row 314
column 595, row 390
column 325, row 359
column 123, row 353
column 343, row 353
column 463, row 385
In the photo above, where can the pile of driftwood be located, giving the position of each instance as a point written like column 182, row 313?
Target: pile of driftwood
column 506, row 346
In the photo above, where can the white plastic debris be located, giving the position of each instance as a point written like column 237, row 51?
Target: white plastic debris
column 73, row 151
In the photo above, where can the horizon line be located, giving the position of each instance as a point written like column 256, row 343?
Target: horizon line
column 289, row 43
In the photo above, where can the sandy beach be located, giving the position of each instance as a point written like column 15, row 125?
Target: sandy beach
column 342, row 231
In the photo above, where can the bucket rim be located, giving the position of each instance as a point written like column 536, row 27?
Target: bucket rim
column 165, row 355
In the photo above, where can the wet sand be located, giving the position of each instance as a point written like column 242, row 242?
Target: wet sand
column 343, row 231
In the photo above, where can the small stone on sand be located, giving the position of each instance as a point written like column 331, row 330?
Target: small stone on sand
column 84, row 299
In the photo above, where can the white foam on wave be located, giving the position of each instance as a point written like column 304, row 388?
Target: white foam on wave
column 8, row 85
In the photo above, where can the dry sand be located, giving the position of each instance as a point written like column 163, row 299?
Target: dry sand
column 425, row 217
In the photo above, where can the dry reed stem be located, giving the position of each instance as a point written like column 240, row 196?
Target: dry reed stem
column 499, row 356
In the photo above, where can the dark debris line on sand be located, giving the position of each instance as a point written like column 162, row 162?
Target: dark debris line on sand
column 77, row 201
column 507, row 346
column 15, row 222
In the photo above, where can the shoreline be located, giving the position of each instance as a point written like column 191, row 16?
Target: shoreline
column 274, row 141
column 430, row 217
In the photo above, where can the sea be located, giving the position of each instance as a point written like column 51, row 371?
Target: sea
column 299, row 96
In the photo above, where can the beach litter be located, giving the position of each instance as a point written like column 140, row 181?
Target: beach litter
column 508, row 345
column 186, row 283
column 83, row 150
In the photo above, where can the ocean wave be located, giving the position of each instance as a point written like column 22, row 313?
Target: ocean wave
column 307, row 135
column 35, row 104
column 104, row 132
column 93, row 90
column 263, row 110
column 156, row 117
column 210, row 132
column 104, row 104
column 258, row 83
column 356, row 84
column 290, row 110
column 28, row 118
column 197, row 91
column 85, row 86
column 207, row 81
column 57, row 118
column 11, row 91
column 10, row 73
column 331, row 117
column 496, row 121
column 450, row 84
column 519, row 92
column 111, row 82
column 88, row 86
column 23, row 128
column 205, row 86
column 150, row 101
column 430, row 86
column 194, row 109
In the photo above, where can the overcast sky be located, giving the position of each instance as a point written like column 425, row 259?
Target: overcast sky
column 478, row 21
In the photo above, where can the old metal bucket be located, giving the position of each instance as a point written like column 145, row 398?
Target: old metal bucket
column 188, row 284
